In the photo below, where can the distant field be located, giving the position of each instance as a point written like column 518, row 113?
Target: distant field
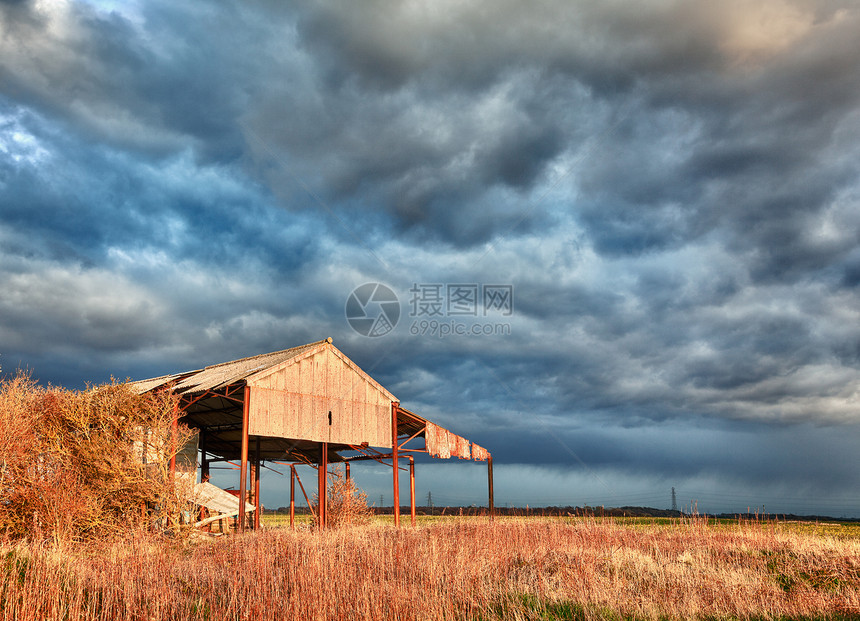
column 273, row 520
column 453, row 568
column 831, row 528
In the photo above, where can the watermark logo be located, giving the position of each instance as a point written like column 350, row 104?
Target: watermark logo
column 436, row 309
column 372, row 309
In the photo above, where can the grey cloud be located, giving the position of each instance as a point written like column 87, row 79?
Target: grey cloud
column 155, row 89
column 671, row 188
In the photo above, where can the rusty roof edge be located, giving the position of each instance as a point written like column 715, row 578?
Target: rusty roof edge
column 162, row 380
column 482, row 452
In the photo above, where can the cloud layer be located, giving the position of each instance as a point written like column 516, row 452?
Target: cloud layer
column 671, row 189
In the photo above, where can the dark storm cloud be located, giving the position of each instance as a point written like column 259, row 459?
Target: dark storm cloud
column 99, row 199
column 154, row 90
column 670, row 187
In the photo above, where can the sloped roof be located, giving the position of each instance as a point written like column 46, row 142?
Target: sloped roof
column 223, row 374
column 220, row 410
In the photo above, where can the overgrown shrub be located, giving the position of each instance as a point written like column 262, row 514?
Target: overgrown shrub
column 346, row 504
column 72, row 463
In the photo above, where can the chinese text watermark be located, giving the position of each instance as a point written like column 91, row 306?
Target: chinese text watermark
column 436, row 309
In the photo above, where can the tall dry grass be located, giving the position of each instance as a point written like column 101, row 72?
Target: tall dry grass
column 468, row 569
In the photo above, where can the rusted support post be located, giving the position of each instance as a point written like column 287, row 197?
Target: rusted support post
column 412, row 488
column 395, row 470
column 490, row 486
column 204, row 462
column 256, row 485
column 243, row 469
column 204, row 473
column 292, row 496
column 305, row 494
column 322, row 473
column 347, row 471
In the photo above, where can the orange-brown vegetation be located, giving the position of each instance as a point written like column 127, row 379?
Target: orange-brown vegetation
column 346, row 504
column 581, row 568
column 72, row 462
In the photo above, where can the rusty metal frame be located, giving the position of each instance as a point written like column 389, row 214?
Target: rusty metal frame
column 299, row 459
column 204, row 462
column 255, row 468
column 376, row 456
column 412, row 488
column 243, row 470
column 292, row 496
column 412, row 437
column 396, row 479
column 188, row 400
column 294, row 476
column 364, row 449
column 238, row 393
column 490, row 486
column 305, row 494
column 322, row 483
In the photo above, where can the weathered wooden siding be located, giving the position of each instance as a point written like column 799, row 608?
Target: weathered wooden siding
column 294, row 399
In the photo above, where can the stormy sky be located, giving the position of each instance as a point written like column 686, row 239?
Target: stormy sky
column 668, row 191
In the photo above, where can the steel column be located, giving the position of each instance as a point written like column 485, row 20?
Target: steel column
column 292, row 496
column 305, row 494
column 347, row 471
column 322, row 483
column 412, row 488
column 394, row 406
column 204, row 462
column 256, row 484
column 243, row 469
column 490, row 486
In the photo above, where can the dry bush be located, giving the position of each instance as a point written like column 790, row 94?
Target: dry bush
column 72, row 462
column 346, row 504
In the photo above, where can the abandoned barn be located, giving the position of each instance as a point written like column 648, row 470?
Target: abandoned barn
column 307, row 405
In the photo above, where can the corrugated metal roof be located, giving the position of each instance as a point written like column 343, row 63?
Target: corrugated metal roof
column 146, row 385
column 223, row 374
column 409, row 422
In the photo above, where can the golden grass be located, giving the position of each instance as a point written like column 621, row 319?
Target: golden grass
column 462, row 569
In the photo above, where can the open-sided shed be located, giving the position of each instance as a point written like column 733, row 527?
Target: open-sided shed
column 306, row 405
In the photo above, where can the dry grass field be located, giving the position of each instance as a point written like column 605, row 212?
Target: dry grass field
column 465, row 568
